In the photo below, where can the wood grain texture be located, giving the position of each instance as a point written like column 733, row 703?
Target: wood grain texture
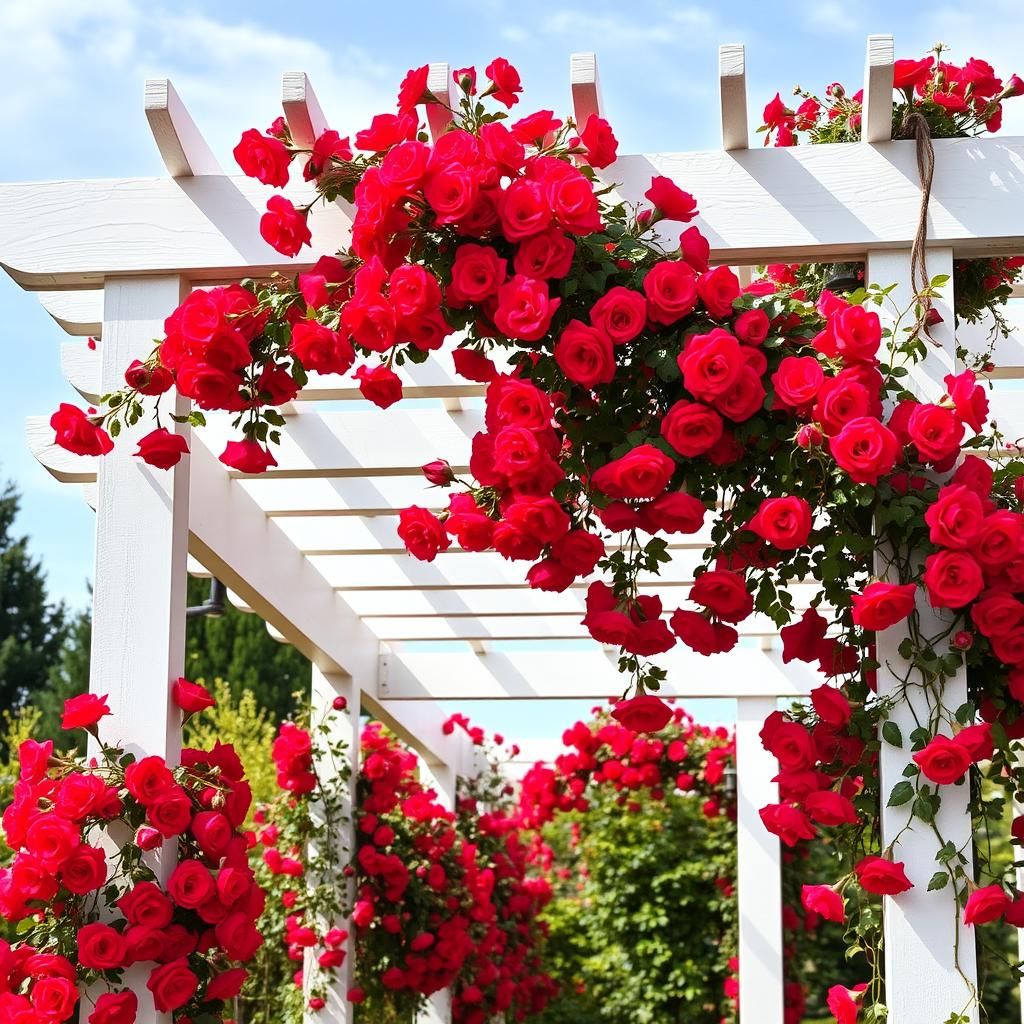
column 441, row 86
column 876, row 118
column 585, row 87
column 302, row 112
column 732, row 87
column 921, row 928
column 182, row 147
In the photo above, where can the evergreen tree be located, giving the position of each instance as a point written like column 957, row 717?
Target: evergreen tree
column 32, row 629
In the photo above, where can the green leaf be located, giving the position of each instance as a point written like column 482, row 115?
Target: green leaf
column 938, row 881
column 891, row 734
column 901, row 793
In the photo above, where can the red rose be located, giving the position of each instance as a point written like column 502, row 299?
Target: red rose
column 477, row 274
column 524, row 211
column 172, row 985
column 671, row 290
column 238, row 936
column 857, row 333
column 191, row 885
column 148, row 779
column 882, row 877
column 986, row 904
column 83, row 712
column 844, row 1003
column 191, row 697
column 227, row 984
column 711, row 364
column 787, row 822
column 247, row 456
column 969, row 399
column 791, row 744
column 328, row 149
column 387, row 130
column 752, row 326
column 643, row 713
column 621, row 313
column 999, row 541
column 452, row 193
column 724, row 593
column 380, row 385
column 976, row 740
column 101, row 947
column 694, row 249
column 976, row 474
column 952, row 579
column 954, row 519
column 541, row 518
column 830, row 809
column 881, row 605
column 841, row 399
column 824, row 901
column 524, row 309
column 579, row 551
column 908, row 74
column 80, row 794
column 161, row 448
column 702, row 635
column 413, row 89
column 718, row 289
column 213, row 833
column 802, row 640
column 148, row 380
column 673, row 512
column 53, row 999
column 505, row 82
column 745, row 396
column 115, row 1008
column 831, row 705
column 1009, row 648
column 997, row 614
column 84, row 871
column 797, row 381
column 599, row 142
column 51, row 841
column 283, row 227
column 264, row 158
column 546, row 255
column 785, row 523
column 865, row 449
column 77, row 433
column 643, row 472
column 935, row 432
column 320, row 349
column 170, row 812
column 670, row 201
column 691, row 428
column 422, row 533
column 275, row 385
column 943, row 760
column 585, row 355
column 572, row 198
column 473, row 365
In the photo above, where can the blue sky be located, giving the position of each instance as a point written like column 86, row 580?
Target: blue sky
column 72, row 77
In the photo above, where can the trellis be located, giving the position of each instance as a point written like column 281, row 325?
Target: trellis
column 311, row 545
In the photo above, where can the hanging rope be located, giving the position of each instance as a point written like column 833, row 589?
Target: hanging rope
column 915, row 126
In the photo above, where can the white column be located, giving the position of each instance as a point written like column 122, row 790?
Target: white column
column 138, row 625
column 758, row 872
column 444, row 779
column 344, row 726
column 922, row 978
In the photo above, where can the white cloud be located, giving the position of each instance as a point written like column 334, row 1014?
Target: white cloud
column 675, row 26
column 830, row 16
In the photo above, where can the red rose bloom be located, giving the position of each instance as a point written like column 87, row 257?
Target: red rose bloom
column 881, row 605
column 724, row 593
column 671, row 290
column 621, row 313
column 954, row 519
column 935, row 432
column 101, row 947
column 671, row 202
column 76, row 432
column 84, row 871
column 702, row 635
column 856, row 333
column 247, row 456
column 831, row 705
column 172, row 985
column 642, row 473
column 882, row 877
column 711, row 364
column 691, row 428
column 380, row 385
column 830, row 809
column 170, row 812
column 283, row 227
column 844, row 1003
column 695, row 249
column 477, row 274
column 718, row 289
column 943, row 760
column 865, row 449
column 785, row 523
column 986, row 904
column 148, row 778
column 264, row 158
column 643, row 713
column 191, row 697
column 673, row 512
column 320, row 349
column 797, row 381
column 952, row 579
column 422, row 533
column 585, row 355
column 115, row 1008
column 161, row 448
column 83, row 712
column 191, row 885
column 227, row 984
column 546, row 255
column 787, row 822
column 999, row 540
column 505, row 82
column 525, row 308
column 824, row 901
column 752, row 326
column 969, row 399
column 148, row 380
column 599, row 142
column 997, row 614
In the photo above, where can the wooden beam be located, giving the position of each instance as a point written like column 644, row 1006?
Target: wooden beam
column 441, row 86
column 876, row 116
column 182, row 147
column 732, row 87
column 79, row 313
column 583, row 672
column 306, row 121
column 585, row 86
column 798, row 203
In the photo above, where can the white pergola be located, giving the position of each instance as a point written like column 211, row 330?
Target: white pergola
column 311, row 545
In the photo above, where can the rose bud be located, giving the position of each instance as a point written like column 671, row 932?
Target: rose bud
column 438, row 472
column 339, row 703
column 148, row 838
column 808, row 436
column 932, row 317
column 963, row 640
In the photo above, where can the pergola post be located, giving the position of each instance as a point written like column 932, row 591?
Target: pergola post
column 138, row 622
column 341, row 726
column 758, row 871
column 925, row 979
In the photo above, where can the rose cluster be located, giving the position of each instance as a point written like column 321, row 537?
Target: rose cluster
column 74, row 894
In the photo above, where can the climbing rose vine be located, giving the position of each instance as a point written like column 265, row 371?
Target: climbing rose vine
column 635, row 396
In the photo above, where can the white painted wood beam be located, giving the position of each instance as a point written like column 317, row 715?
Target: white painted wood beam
column 79, row 313
column 442, row 87
column 182, row 147
column 585, row 87
column 798, row 203
column 732, row 87
column 582, row 672
column 876, row 116
column 306, row 121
